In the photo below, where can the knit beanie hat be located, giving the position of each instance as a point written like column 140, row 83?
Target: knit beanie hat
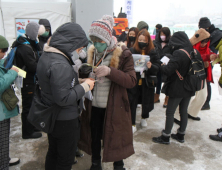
column 204, row 22
column 141, row 25
column 200, row 35
column 33, row 29
column 3, row 42
column 103, row 29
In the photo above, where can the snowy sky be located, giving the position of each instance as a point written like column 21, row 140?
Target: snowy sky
column 169, row 9
column 165, row 11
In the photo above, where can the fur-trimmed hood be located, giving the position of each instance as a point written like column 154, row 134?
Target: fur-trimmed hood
column 115, row 55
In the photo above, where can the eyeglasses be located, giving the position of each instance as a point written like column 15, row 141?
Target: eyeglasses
column 205, row 41
column 4, row 50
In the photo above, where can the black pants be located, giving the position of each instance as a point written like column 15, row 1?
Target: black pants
column 4, row 144
column 97, row 121
column 209, row 93
column 141, row 95
column 62, row 145
column 208, row 88
column 27, row 96
column 159, row 82
column 171, row 108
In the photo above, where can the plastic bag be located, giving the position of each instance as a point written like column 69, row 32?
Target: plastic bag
column 19, row 82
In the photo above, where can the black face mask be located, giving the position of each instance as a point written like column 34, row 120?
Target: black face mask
column 131, row 38
column 142, row 45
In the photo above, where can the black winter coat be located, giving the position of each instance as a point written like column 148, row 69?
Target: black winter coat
column 165, row 51
column 215, row 37
column 179, row 61
column 161, row 51
column 56, row 76
column 146, row 100
column 26, row 57
column 122, row 37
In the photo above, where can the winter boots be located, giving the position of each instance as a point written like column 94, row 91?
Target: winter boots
column 194, row 118
column 156, row 98
column 166, row 102
column 206, row 106
column 96, row 165
column 219, row 130
column 163, row 139
column 215, row 138
column 179, row 137
column 14, row 161
column 119, row 168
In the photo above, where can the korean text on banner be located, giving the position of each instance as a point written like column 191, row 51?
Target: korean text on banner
column 129, row 10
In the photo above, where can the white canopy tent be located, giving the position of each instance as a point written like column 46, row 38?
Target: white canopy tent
column 57, row 13
column 2, row 31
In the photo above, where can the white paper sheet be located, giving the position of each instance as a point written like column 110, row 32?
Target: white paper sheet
column 140, row 62
column 165, row 60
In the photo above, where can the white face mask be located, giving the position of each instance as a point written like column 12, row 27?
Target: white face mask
column 75, row 56
column 163, row 38
column 126, row 32
column 82, row 54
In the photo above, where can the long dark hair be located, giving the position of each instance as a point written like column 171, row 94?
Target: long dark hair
column 166, row 32
column 150, row 45
column 136, row 30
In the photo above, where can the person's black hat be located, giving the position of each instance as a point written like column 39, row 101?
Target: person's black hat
column 204, row 22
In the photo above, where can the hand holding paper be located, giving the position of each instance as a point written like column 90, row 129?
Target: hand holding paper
column 15, row 69
column 165, row 60
column 21, row 72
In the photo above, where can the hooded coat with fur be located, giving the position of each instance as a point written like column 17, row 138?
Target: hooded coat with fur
column 117, row 136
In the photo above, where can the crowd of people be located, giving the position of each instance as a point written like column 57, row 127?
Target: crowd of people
column 95, row 90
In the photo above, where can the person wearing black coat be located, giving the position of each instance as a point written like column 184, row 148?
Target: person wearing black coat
column 60, row 85
column 123, row 36
column 163, row 49
column 48, row 33
column 26, row 58
column 215, row 37
column 131, row 37
column 174, row 87
column 143, row 92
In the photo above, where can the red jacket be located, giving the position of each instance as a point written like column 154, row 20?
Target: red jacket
column 205, row 53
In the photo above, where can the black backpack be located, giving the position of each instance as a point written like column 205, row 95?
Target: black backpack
column 194, row 80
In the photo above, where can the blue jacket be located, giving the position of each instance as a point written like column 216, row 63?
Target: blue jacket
column 6, row 79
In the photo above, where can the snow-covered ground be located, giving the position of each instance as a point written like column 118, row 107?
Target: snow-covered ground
column 197, row 153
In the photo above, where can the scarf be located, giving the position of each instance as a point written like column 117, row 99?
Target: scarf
column 202, row 51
